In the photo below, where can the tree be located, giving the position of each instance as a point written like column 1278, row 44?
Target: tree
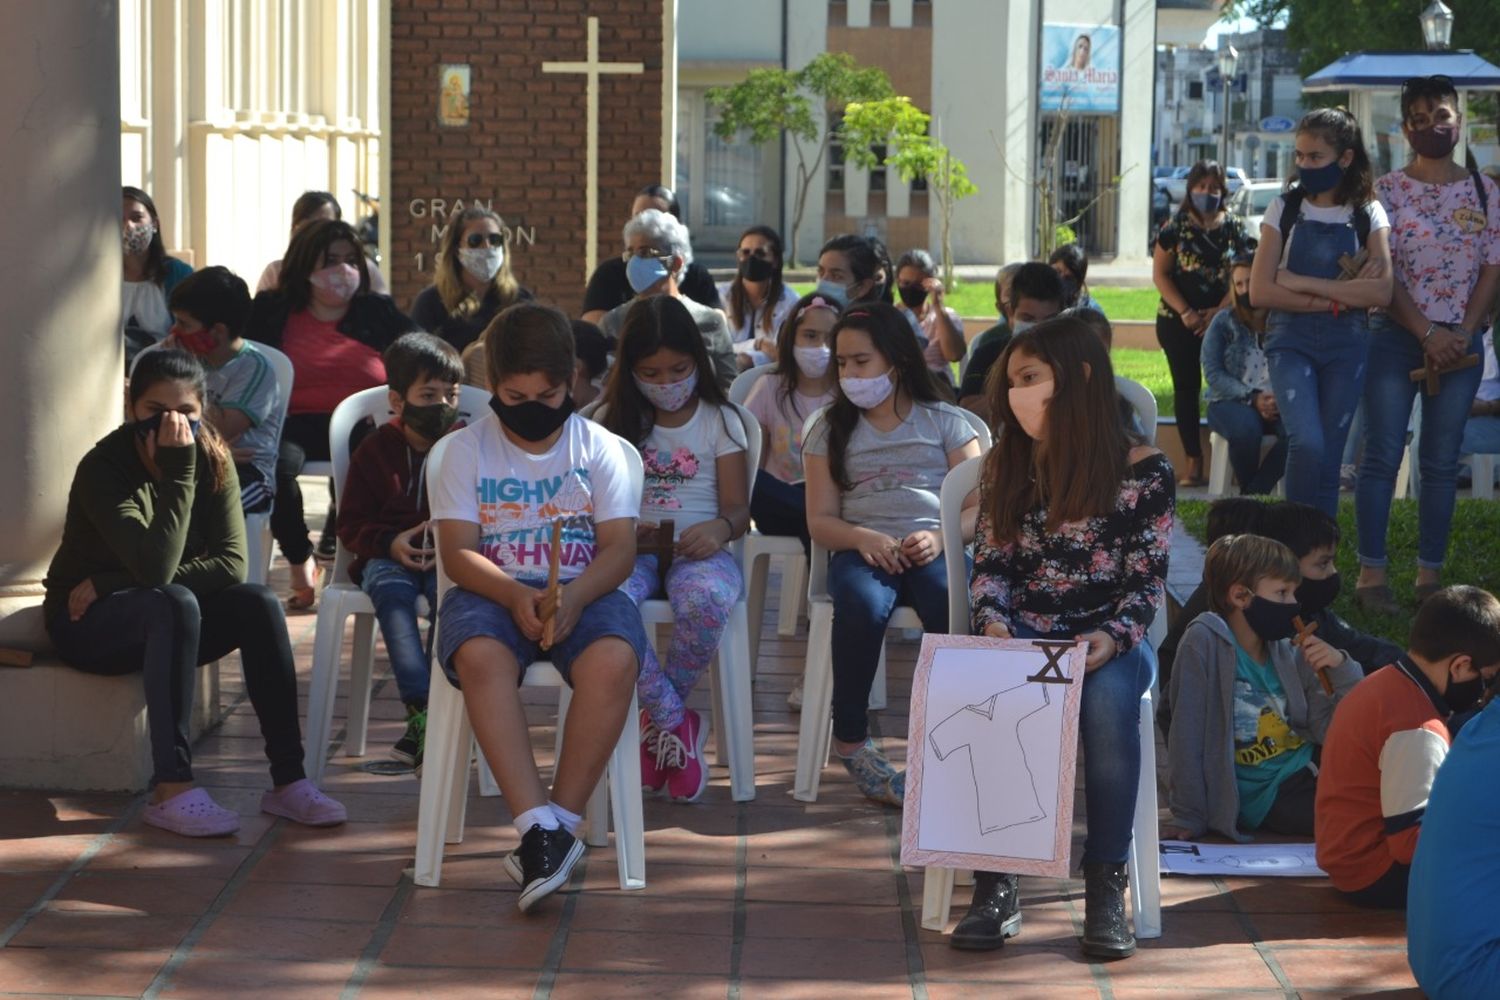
column 1323, row 30
column 902, row 130
column 770, row 103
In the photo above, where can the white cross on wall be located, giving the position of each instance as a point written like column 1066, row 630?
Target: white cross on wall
column 592, row 68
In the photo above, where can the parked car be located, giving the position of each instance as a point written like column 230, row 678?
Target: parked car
column 1251, row 200
column 1176, row 185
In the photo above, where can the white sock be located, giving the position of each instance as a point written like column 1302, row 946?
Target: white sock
column 541, row 816
column 568, row 820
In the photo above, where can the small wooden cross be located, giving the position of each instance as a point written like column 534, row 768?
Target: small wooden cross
column 1429, row 375
column 553, row 594
column 1304, row 630
column 1349, row 265
column 662, row 545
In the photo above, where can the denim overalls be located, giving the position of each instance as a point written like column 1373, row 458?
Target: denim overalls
column 1317, row 363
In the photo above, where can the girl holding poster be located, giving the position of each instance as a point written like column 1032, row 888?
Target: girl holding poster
column 1077, row 549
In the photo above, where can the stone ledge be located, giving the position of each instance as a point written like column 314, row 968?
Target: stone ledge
column 64, row 729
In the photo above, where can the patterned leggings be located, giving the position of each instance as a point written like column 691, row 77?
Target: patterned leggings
column 701, row 592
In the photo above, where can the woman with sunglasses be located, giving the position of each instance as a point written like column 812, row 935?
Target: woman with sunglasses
column 473, row 281
column 1445, row 249
column 756, row 302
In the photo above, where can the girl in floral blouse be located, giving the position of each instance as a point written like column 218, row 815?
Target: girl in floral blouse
column 1071, row 542
column 663, row 398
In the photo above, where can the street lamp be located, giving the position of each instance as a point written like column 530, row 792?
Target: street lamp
column 1437, row 25
column 1229, row 56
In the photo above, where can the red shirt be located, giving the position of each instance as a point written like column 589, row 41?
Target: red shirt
column 329, row 365
column 1383, row 749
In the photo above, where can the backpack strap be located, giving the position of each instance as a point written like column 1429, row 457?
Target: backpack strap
column 1291, row 209
column 1362, row 224
column 1484, row 198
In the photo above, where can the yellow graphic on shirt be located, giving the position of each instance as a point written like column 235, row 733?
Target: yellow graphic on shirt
column 1273, row 737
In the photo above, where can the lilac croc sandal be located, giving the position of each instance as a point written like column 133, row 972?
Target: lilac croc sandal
column 301, row 802
column 194, row 813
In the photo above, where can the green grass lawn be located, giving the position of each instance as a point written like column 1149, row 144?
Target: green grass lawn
column 977, row 298
column 1473, row 556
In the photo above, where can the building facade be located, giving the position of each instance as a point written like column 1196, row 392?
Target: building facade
column 230, row 109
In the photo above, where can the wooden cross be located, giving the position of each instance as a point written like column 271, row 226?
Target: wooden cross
column 1304, row 630
column 661, row 547
column 591, row 68
column 1349, row 265
column 1429, row 375
column 553, row 594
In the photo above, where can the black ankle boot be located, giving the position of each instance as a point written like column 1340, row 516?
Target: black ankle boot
column 994, row 915
column 1106, row 932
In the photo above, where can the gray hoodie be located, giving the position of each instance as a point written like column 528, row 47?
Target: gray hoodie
column 1200, row 752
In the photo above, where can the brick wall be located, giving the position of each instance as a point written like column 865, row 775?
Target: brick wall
column 525, row 144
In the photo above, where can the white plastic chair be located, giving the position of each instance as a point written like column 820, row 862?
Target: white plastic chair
column 1482, row 474
column 1145, row 859
column 342, row 597
column 258, row 526
column 759, row 550
column 815, row 732
column 449, row 749
column 1219, row 472
column 1140, row 398
column 730, row 673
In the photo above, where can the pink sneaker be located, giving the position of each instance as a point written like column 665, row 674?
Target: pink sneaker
column 653, row 779
column 194, row 813
column 301, row 802
column 681, row 754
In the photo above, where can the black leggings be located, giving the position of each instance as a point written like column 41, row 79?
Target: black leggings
column 166, row 633
column 780, row 508
column 1183, row 349
column 304, row 438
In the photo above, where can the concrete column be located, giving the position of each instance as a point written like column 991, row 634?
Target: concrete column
column 900, row 13
column 858, row 13
column 856, row 191
column 167, row 184
column 669, row 93
column 64, row 367
column 807, row 35
column 1137, row 69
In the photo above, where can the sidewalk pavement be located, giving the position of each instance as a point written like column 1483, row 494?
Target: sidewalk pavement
column 770, row 898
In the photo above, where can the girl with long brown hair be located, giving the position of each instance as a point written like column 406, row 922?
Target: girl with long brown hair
column 1071, row 543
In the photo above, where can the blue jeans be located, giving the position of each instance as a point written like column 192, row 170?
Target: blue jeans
column 1317, row 364
column 1242, row 426
column 864, row 598
column 1109, row 729
column 394, row 590
column 1389, row 391
column 1481, row 436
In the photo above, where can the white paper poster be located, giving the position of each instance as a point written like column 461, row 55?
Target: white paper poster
column 1181, row 857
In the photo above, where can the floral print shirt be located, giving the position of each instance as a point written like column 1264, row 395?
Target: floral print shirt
column 1440, row 239
column 1102, row 573
column 1201, row 258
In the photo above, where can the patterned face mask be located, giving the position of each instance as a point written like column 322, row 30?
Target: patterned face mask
column 672, row 396
column 137, row 236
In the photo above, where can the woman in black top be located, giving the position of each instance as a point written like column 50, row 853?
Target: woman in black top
column 1191, row 269
column 473, row 280
column 608, row 286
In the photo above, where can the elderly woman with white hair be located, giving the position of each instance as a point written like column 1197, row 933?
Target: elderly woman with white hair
column 656, row 257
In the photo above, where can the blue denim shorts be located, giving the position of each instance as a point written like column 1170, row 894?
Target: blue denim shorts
column 465, row 615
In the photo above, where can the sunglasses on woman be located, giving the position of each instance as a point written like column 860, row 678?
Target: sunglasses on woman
column 476, row 240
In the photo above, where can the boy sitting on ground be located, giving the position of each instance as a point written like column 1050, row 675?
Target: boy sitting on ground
column 209, row 311
column 1388, row 738
column 383, row 519
column 1313, row 537
column 1250, row 711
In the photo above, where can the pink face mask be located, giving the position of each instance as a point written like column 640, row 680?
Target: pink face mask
column 1029, row 404
column 334, row 285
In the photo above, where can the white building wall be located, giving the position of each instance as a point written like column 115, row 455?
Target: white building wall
column 1137, row 69
column 807, row 35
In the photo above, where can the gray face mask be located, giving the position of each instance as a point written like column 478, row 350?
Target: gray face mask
column 1022, row 325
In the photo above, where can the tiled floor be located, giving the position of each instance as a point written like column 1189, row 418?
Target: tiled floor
column 770, row 898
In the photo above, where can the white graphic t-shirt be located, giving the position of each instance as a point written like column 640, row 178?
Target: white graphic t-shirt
column 682, row 476
column 515, row 496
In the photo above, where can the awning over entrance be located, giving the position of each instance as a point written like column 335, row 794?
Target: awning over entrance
column 1376, row 70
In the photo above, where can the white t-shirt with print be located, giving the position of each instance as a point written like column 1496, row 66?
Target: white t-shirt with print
column 1336, row 215
column 515, row 496
column 682, row 477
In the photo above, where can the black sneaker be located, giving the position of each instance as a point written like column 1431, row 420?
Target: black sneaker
column 408, row 749
column 547, row 858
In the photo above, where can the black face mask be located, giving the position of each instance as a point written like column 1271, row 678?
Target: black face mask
column 532, row 420
column 1271, row 620
column 756, row 269
column 148, row 427
column 1464, row 695
column 912, row 296
column 431, row 421
column 1315, row 595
